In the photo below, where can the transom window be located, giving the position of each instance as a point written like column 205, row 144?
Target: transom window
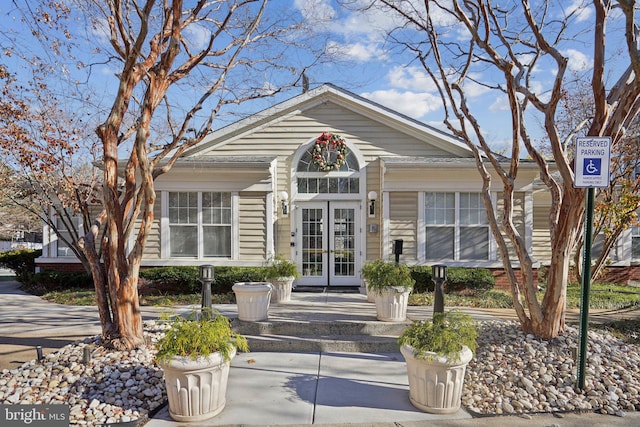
column 456, row 226
column 311, row 179
column 200, row 220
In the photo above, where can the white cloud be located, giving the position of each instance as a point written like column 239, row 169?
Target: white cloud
column 315, row 10
column 578, row 61
column 356, row 51
column 501, row 103
column 197, row 36
column 413, row 104
column 411, row 78
column 581, row 10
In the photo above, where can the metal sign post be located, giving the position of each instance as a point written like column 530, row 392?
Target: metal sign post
column 592, row 163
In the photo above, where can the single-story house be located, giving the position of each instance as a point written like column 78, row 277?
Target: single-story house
column 330, row 179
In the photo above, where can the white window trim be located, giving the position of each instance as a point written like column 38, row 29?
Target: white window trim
column 165, row 247
column 422, row 232
column 54, row 239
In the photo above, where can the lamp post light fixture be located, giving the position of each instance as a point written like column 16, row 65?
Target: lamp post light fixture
column 206, row 277
column 284, row 197
column 439, row 276
column 372, row 196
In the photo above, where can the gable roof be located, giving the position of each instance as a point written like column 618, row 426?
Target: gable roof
column 331, row 93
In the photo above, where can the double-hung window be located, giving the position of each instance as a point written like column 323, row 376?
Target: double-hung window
column 456, row 226
column 200, row 224
column 62, row 249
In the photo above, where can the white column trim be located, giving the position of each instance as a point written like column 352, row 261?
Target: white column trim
column 386, row 239
column 235, row 224
column 421, row 238
column 164, row 225
column 270, row 225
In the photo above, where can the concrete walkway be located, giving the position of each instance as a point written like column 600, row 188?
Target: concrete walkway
column 265, row 388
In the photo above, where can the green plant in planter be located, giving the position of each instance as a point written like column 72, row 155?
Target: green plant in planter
column 380, row 275
column 280, row 267
column 445, row 336
column 197, row 335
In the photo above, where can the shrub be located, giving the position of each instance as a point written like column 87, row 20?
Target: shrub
column 21, row 261
column 474, row 279
column 445, row 335
column 382, row 274
column 225, row 277
column 280, row 267
column 173, row 280
column 197, row 335
column 458, row 279
column 185, row 279
column 59, row 280
column 422, row 275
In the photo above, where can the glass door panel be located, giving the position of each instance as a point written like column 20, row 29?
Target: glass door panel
column 329, row 244
column 342, row 252
column 314, row 254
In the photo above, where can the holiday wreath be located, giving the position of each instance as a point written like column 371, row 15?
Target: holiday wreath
column 326, row 144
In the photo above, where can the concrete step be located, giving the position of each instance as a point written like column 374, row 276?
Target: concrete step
column 305, row 336
column 318, row 328
column 337, row 343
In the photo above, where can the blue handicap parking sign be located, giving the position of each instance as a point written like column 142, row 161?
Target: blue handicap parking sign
column 591, row 166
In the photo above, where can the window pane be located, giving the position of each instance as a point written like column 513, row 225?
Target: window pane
column 354, row 184
column 184, row 241
column 303, row 185
column 635, row 247
column 217, row 241
column 440, row 208
column 474, row 243
column 183, row 208
column 440, row 242
column 472, row 209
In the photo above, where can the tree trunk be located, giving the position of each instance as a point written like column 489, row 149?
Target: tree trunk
column 129, row 319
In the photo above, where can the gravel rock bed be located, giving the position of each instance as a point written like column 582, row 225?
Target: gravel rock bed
column 512, row 373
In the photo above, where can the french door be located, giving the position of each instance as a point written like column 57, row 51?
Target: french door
column 328, row 244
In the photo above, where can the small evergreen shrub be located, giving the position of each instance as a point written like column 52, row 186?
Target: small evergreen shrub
column 197, row 335
column 445, row 335
column 474, row 279
column 59, row 280
column 280, row 267
column 173, row 280
column 459, row 279
column 21, row 261
column 381, row 274
column 226, row 277
column 422, row 276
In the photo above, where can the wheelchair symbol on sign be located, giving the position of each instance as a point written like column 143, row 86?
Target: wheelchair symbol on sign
column 591, row 166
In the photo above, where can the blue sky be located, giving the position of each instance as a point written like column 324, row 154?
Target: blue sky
column 364, row 64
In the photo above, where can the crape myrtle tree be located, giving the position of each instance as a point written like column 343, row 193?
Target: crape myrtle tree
column 505, row 47
column 46, row 175
column 177, row 66
column 616, row 206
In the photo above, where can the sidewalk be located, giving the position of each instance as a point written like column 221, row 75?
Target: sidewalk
column 359, row 389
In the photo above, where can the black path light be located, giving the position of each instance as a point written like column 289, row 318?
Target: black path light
column 439, row 276
column 206, row 277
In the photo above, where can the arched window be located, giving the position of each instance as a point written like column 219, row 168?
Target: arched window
column 345, row 180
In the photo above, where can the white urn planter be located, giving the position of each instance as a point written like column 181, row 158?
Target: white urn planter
column 391, row 303
column 282, row 287
column 196, row 389
column 253, row 300
column 435, row 382
column 371, row 295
